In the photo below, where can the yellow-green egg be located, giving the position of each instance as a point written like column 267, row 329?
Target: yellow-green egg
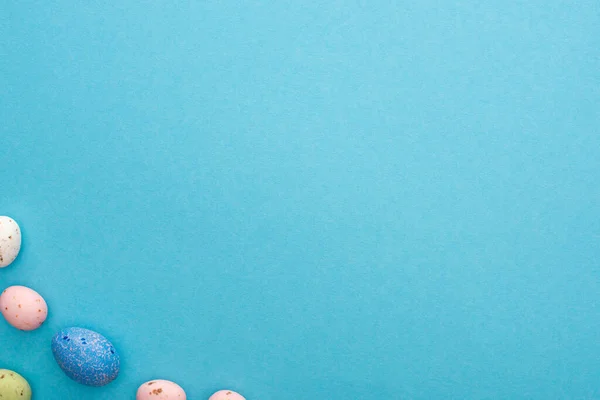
column 13, row 386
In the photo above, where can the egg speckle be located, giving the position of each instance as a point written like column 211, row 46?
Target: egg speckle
column 160, row 389
column 23, row 308
column 226, row 395
column 10, row 241
column 86, row 356
column 13, row 386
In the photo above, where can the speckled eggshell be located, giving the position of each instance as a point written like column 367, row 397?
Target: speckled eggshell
column 86, row 356
column 226, row 395
column 159, row 389
column 10, row 241
column 13, row 386
column 23, row 308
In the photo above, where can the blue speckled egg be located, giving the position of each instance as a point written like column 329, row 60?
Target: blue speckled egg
column 85, row 356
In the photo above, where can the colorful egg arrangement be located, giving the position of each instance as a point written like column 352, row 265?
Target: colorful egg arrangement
column 83, row 355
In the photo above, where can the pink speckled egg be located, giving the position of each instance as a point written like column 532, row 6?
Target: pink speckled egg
column 226, row 395
column 160, row 389
column 23, row 308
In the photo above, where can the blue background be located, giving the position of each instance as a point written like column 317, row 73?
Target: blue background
column 306, row 200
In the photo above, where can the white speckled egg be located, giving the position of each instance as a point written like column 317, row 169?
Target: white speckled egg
column 160, row 389
column 10, row 241
column 226, row 395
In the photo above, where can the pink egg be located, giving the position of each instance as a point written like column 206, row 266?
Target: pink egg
column 226, row 395
column 23, row 308
column 160, row 389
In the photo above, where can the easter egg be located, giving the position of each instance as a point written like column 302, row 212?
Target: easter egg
column 226, row 395
column 160, row 389
column 10, row 241
column 85, row 356
column 13, row 386
column 23, row 308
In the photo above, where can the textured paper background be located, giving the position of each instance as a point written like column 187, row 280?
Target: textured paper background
column 307, row 200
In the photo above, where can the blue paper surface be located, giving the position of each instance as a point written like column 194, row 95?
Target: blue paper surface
column 308, row 200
